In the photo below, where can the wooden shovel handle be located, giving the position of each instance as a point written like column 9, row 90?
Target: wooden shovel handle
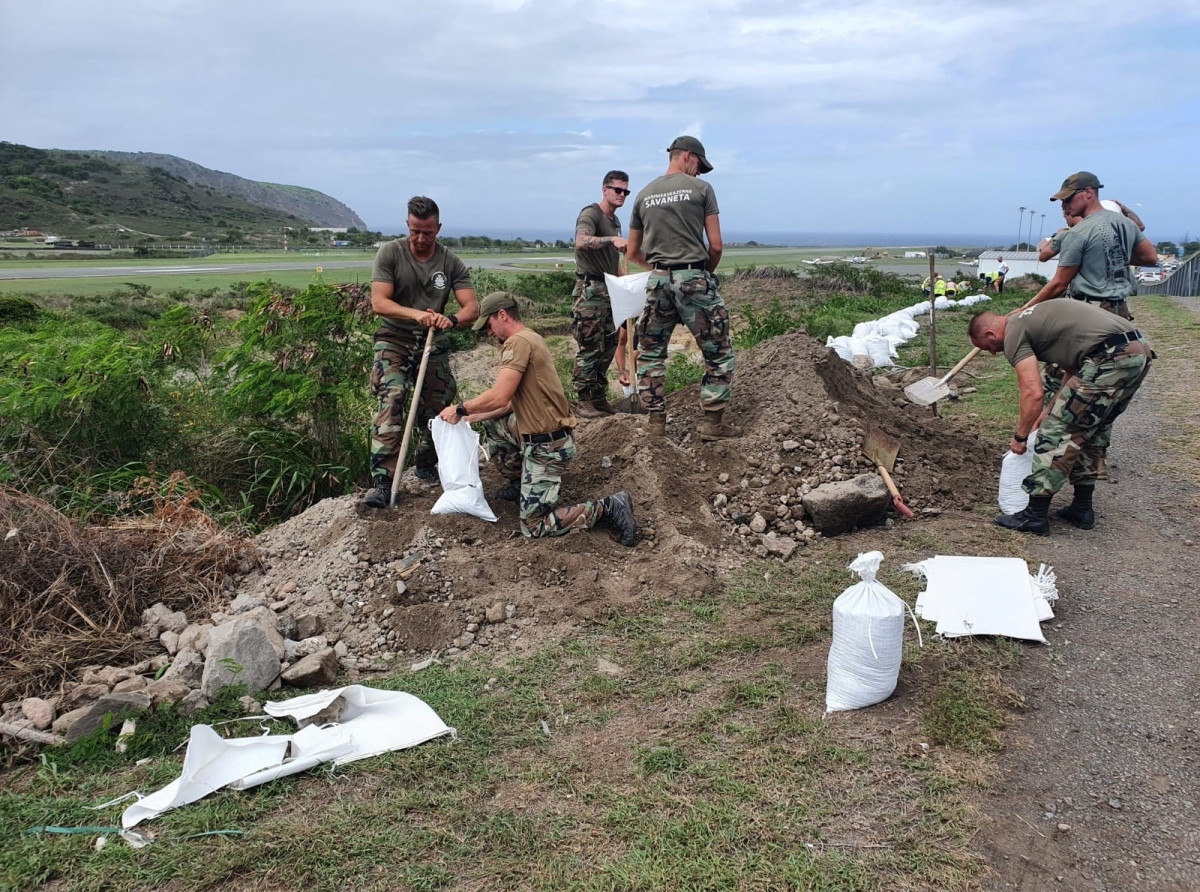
column 904, row 510
column 962, row 363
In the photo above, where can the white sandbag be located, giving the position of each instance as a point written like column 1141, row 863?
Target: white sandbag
column 880, row 351
column 866, row 329
column 898, row 324
column 868, row 640
column 942, row 303
column 457, row 448
column 841, row 346
column 627, row 295
column 1013, row 470
column 920, row 309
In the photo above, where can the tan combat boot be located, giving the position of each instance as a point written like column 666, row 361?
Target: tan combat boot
column 658, row 424
column 712, row 428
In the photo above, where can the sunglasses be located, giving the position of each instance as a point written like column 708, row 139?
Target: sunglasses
column 621, row 191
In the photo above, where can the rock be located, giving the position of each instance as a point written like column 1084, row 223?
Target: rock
column 790, row 445
column 288, row 588
column 245, row 602
column 250, row 706
column 863, row 363
column 187, row 668
column 309, row 625
column 65, row 722
column 315, row 670
column 720, row 500
column 115, row 705
column 161, row 618
column 240, row 652
column 83, row 693
column 758, row 523
column 837, row 507
column 106, row 675
column 170, row 642
column 193, row 702
column 782, row 546
column 298, row 650
column 606, row 667
column 341, row 649
column 269, row 623
column 195, row 637
column 722, row 478
column 134, row 683
column 285, row 625
column 166, row 690
column 401, row 588
column 39, row 712
column 495, row 613
column 330, row 714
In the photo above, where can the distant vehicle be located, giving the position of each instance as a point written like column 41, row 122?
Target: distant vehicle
column 1150, row 278
column 858, row 259
column 818, row 262
column 968, row 263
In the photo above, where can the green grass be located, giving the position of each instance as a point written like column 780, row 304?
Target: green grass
column 736, row 782
column 164, row 283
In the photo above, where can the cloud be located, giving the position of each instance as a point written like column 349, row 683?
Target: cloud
column 798, row 102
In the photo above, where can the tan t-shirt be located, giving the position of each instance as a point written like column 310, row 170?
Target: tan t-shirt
column 593, row 221
column 1061, row 331
column 419, row 286
column 671, row 211
column 540, row 403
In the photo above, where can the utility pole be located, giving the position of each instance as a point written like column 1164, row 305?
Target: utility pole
column 932, row 318
column 1041, row 226
column 1030, row 238
column 1020, row 226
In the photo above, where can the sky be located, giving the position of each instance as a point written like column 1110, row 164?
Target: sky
column 855, row 116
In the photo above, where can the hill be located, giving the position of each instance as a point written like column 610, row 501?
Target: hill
column 90, row 194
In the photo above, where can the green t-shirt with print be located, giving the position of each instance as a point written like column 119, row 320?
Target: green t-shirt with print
column 1061, row 331
column 419, row 286
column 593, row 221
column 1101, row 245
column 671, row 212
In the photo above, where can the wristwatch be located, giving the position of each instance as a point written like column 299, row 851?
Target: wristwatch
column 453, row 319
column 461, row 410
column 1019, row 438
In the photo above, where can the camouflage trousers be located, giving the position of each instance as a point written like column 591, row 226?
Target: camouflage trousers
column 1052, row 375
column 539, row 467
column 1072, row 443
column 689, row 296
column 594, row 333
column 392, row 380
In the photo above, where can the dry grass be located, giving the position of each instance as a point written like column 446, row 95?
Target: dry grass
column 72, row 594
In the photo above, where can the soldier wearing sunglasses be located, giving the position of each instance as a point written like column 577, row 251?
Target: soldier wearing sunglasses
column 598, row 249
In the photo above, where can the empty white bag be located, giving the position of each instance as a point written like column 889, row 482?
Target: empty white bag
column 868, row 640
column 457, row 448
column 627, row 295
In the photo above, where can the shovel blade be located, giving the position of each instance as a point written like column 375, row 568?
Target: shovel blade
column 880, row 448
column 927, row 391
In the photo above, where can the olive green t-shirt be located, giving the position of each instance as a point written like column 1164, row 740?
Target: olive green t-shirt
column 1056, row 240
column 1101, row 245
column 671, row 211
column 540, row 404
column 593, row 221
column 418, row 286
column 1061, row 331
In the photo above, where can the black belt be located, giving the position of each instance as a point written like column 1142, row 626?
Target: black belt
column 587, row 276
column 675, row 267
column 534, row 439
column 1098, row 300
column 1120, row 339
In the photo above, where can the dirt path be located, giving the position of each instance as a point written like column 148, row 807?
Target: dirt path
column 1101, row 779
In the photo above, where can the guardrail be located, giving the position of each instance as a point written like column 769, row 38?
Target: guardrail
column 1183, row 282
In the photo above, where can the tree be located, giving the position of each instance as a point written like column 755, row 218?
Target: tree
column 1190, row 248
column 1166, row 248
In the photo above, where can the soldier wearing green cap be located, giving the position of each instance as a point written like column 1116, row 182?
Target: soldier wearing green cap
column 412, row 280
column 672, row 217
column 527, row 428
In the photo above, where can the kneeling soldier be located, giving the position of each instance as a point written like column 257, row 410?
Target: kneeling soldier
column 1105, row 361
column 527, row 425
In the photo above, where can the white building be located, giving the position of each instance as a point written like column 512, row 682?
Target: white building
column 1020, row 263
column 915, row 255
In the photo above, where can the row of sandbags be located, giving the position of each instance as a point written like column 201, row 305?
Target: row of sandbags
column 879, row 338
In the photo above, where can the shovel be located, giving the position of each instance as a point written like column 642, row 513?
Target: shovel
column 882, row 450
column 929, row 390
column 631, row 404
column 412, row 415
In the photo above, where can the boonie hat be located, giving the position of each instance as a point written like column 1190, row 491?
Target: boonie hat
column 693, row 145
column 493, row 303
column 1076, row 182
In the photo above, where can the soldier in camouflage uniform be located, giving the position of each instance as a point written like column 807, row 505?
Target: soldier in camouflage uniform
column 671, row 218
column 1094, row 253
column 1106, row 359
column 412, row 280
column 598, row 249
column 527, row 425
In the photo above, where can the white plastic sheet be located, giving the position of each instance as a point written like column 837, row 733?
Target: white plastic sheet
column 457, row 448
column 372, row 722
column 627, row 295
column 984, row 596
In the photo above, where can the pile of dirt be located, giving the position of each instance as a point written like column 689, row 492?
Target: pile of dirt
column 393, row 588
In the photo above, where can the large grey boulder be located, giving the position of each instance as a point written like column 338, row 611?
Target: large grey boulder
column 240, row 652
column 115, row 705
column 314, row 671
column 837, row 507
column 166, row 690
column 187, row 668
column 269, row 622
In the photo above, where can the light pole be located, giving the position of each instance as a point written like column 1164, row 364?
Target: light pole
column 1031, row 213
column 1020, row 225
column 1041, row 226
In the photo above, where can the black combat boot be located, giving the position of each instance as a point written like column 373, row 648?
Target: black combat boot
column 618, row 514
column 381, row 495
column 1031, row 520
column 1079, row 513
column 427, row 475
column 509, row 492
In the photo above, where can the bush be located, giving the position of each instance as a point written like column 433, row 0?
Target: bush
column 16, row 310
